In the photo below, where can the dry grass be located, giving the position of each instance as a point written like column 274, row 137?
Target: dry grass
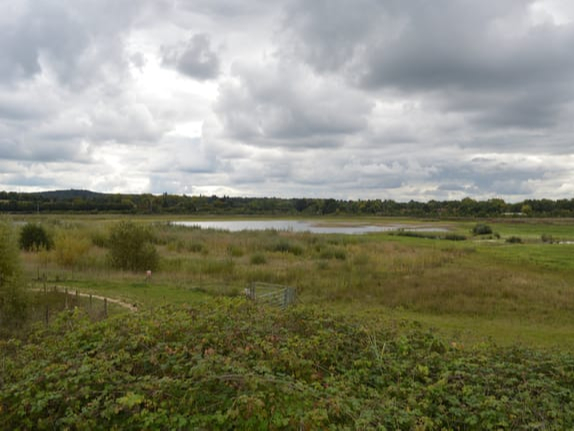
column 484, row 280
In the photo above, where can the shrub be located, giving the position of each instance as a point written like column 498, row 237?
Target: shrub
column 34, row 237
column 131, row 248
column 70, row 248
column 514, row 240
column 454, row 237
column 234, row 251
column 285, row 246
column 12, row 299
column 230, row 364
column 482, row 229
column 195, row 247
column 258, row 259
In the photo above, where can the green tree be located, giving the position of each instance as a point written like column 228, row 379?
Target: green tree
column 12, row 298
column 33, row 237
column 131, row 248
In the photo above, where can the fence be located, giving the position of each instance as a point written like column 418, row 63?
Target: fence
column 272, row 294
column 57, row 299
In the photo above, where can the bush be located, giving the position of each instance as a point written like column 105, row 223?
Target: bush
column 231, row 364
column 454, row 237
column 34, row 237
column 70, row 248
column 258, row 259
column 12, row 299
column 196, row 247
column 514, row 240
column 285, row 246
column 482, row 229
column 131, row 248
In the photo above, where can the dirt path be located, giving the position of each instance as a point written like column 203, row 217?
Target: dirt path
column 119, row 302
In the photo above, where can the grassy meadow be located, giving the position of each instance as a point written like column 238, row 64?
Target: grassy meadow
column 472, row 290
column 396, row 330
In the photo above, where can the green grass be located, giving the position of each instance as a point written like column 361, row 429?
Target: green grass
column 484, row 288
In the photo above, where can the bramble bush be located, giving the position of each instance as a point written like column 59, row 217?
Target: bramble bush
column 233, row 365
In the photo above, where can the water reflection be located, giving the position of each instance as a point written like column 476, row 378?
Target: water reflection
column 299, row 226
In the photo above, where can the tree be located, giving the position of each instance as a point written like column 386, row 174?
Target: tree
column 33, row 237
column 131, row 248
column 12, row 299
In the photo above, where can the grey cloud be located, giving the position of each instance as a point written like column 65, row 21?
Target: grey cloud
column 46, row 152
column 228, row 8
column 284, row 105
column 490, row 177
column 78, row 41
column 484, row 58
column 194, row 58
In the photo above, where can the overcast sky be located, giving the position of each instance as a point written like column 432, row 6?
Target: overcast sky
column 350, row 99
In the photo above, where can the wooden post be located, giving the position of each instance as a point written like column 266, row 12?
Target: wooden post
column 77, row 303
column 90, row 301
column 105, row 307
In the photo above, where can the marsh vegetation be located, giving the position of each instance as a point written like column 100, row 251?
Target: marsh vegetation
column 484, row 303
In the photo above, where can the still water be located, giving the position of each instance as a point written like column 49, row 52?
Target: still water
column 299, row 226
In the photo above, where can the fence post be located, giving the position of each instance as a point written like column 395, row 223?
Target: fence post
column 105, row 307
column 90, row 301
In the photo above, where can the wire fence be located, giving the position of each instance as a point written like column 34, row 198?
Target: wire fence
column 272, row 294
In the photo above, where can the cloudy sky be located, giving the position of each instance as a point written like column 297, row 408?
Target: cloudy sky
column 390, row 99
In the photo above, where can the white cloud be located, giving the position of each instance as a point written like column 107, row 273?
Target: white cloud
column 338, row 98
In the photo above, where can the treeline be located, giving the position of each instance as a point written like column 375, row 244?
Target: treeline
column 86, row 201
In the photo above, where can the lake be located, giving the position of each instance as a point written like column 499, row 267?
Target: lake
column 302, row 226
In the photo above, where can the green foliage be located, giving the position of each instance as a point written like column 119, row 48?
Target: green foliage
column 12, row 299
column 333, row 253
column 131, row 248
column 514, row 240
column 229, row 365
column 70, row 248
column 454, row 237
column 34, row 237
column 90, row 202
column 482, row 229
column 258, row 259
column 429, row 235
column 285, row 246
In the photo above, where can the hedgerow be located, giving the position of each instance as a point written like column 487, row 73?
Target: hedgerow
column 230, row 364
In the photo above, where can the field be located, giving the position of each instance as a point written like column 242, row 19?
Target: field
column 456, row 317
column 482, row 287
